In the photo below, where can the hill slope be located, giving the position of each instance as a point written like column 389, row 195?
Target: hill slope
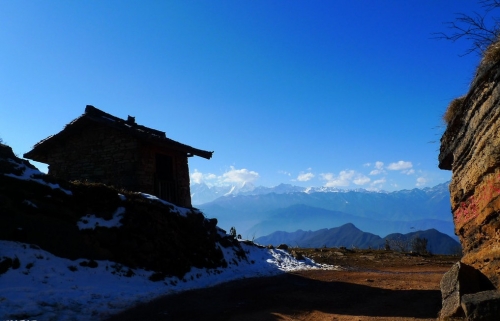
column 350, row 236
column 305, row 217
column 78, row 251
column 97, row 222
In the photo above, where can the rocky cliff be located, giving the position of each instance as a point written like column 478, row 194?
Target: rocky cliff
column 470, row 148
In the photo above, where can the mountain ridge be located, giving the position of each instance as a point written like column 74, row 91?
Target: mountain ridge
column 201, row 193
column 348, row 235
column 380, row 213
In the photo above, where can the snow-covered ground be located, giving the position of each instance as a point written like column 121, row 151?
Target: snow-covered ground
column 46, row 287
column 41, row 286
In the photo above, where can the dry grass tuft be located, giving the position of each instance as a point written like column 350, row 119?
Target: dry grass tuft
column 492, row 54
column 453, row 107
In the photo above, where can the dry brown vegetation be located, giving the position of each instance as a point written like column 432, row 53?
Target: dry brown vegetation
column 492, row 54
column 376, row 259
column 452, row 109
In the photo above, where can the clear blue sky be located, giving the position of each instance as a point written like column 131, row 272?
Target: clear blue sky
column 310, row 93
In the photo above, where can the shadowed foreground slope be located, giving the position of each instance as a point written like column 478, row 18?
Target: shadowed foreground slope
column 374, row 287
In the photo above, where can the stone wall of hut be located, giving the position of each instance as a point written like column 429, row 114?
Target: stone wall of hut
column 102, row 154
column 96, row 154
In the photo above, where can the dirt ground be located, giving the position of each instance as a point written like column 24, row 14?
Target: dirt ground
column 373, row 285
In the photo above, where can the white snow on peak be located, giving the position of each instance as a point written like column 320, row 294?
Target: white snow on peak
column 231, row 191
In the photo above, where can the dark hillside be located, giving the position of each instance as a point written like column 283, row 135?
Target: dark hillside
column 350, row 236
column 306, row 217
column 147, row 233
column 438, row 243
column 346, row 235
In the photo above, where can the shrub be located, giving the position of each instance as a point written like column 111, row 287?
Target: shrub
column 419, row 245
column 5, row 265
column 492, row 53
column 232, row 232
column 387, row 246
column 16, row 264
column 399, row 244
column 130, row 273
column 157, row 276
column 453, row 108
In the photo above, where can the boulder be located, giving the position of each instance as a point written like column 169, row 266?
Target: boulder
column 483, row 305
column 282, row 247
column 298, row 255
column 460, row 280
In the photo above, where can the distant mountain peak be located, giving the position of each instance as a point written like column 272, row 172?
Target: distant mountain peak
column 230, row 191
column 202, row 193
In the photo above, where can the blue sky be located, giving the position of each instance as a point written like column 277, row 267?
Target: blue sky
column 311, row 93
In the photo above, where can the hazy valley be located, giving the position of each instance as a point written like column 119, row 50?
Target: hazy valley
column 257, row 212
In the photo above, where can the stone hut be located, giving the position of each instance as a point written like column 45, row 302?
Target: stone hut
column 99, row 147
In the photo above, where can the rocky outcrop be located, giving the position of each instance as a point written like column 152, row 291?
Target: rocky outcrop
column 470, row 148
column 460, row 280
column 484, row 306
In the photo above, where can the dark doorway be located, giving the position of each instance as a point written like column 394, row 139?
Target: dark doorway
column 165, row 178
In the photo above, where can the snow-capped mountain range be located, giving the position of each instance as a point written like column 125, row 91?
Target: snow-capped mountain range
column 202, row 193
column 258, row 211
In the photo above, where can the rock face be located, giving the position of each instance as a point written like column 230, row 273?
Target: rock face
column 459, row 281
column 483, row 305
column 470, row 148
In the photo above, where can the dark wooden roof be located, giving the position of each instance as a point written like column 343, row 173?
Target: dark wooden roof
column 129, row 126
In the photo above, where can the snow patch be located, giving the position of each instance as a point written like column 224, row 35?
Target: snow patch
column 90, row 221
column 29, row 173
column 30, row 203
column 182, row 211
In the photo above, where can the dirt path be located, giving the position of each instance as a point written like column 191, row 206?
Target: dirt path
column 401, row 290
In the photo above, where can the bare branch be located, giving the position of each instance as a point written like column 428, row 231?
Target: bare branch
column 479, row 29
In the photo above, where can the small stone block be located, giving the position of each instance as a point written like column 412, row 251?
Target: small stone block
column 483, row 305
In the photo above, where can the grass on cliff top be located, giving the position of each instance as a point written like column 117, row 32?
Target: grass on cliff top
column 491, row 56
column 453, row 108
